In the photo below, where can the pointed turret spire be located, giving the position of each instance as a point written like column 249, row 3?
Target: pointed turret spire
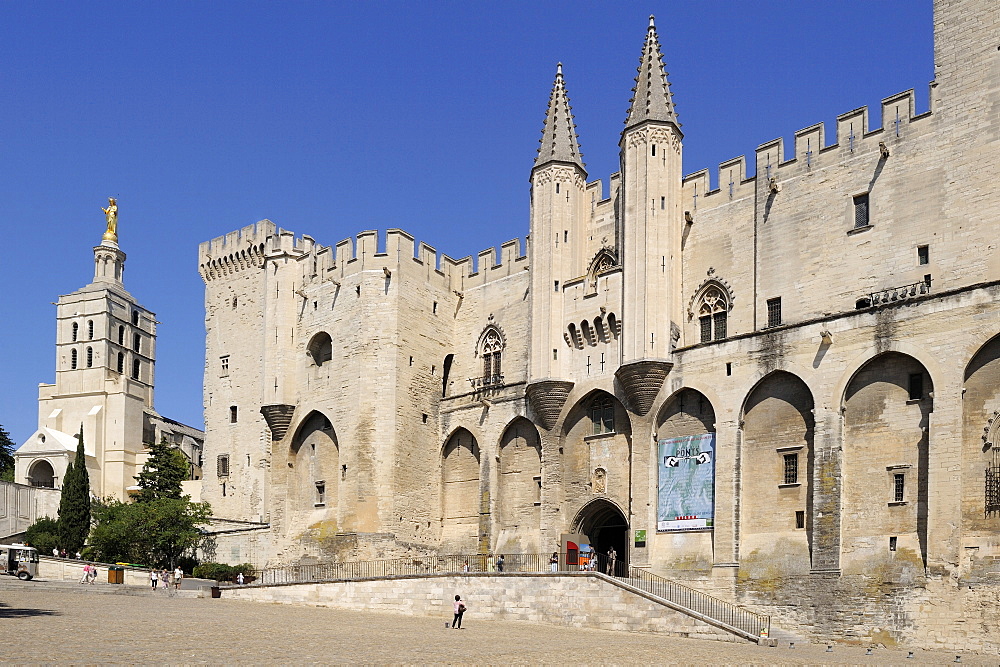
column 559, row 142
column 652, row 99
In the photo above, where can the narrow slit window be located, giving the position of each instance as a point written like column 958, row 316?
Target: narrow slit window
column 137, row 342
column 233, row 414
column 791, row 469
column 861, row 211
column 76, row 331
column 774, row 312
column 73, row 359
column 121, row 362
column 800, row 519
column 923, row 255
column 90, row 357
column 90, row 330
column 136, row 367
column 121, row 335
column 898, row 487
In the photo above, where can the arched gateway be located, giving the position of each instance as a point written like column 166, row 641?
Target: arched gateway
column 604, row 523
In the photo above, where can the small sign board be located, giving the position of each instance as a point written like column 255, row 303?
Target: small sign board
column 640, row 538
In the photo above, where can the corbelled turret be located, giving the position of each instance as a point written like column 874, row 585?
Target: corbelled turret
column 559, row 142
column 651, row 99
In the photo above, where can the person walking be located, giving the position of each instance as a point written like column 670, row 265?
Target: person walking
column 554, row 561
column 93, row 574
column 86, row 574
column 500, row 563
column 459, row 611
column 239, row 579
column 164, row 580
column 153, row 578
column 612, row 557
column 178, row 575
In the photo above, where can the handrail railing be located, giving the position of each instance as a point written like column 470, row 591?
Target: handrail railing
column 728, row 613
column 749, row 622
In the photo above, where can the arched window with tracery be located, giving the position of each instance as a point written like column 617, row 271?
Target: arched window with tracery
column 491, row 350
column 713, row 313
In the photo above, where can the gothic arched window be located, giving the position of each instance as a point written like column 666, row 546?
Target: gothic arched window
column 90, row 330
column 72, row 359
column 90, row 357
column 713, row 312
column 602, row 415
column 121, row 362
column 76, row 331
column 491, row 349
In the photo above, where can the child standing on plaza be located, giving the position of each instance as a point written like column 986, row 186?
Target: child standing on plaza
column 459, row 610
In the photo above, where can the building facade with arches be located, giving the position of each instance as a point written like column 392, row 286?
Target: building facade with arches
column 827, row 327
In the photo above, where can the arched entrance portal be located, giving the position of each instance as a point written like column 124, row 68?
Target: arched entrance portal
column 606, row 527
column 42, row 475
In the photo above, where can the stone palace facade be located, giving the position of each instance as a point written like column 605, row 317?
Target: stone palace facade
column 824, row 334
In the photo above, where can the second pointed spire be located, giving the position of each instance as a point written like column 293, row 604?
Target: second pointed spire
column 652, row 99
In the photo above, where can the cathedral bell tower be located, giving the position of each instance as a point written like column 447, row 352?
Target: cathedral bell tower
column 650, row 150
column 556, row 246
column 105, row 357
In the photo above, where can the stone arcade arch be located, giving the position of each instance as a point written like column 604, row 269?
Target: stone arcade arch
column 460, row 502
column 776, row 472
column 604, row 523
column 519, row 486
column 687, row 413
column 41, row 474
column 981, row 443
column 887, row 407
column 315, row 472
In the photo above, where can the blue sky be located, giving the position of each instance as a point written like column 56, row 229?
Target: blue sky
column 330, row 118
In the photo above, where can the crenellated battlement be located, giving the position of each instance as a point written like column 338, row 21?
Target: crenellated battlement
column 809, row 149
column 236, row 251
column 251, row 246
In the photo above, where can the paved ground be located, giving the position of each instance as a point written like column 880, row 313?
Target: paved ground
column 42, row 624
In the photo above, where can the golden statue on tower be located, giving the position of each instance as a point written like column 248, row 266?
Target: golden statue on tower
column 111, row 213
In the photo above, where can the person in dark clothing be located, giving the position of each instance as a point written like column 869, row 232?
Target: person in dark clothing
column 459, row 610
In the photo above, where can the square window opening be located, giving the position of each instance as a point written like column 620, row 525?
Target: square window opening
column 916, row 386
column 923, row 255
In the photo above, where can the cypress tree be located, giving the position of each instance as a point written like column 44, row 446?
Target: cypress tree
column 74, row 502
column 162, row 473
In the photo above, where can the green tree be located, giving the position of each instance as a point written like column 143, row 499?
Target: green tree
column 154, row 533
column 6, row 456
column 74, row 502
column 43, row 535
column 162, row 473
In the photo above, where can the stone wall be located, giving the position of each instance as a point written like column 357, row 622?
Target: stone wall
column 573, row 600
column 22, row 505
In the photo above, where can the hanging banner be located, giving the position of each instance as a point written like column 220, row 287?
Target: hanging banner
column 686, row 493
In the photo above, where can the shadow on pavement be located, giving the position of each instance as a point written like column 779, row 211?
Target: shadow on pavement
column 6, row 611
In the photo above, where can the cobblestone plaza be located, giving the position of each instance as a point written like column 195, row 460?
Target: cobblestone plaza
column 86, row 627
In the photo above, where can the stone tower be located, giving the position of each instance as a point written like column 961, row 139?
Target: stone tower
column 651, row 229
column 105, row 361
column 558, row 182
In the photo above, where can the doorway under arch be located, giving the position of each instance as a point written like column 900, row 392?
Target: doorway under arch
column 605, row 525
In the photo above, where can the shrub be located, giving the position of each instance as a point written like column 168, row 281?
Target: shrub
column 43, row 535
column 222, row 572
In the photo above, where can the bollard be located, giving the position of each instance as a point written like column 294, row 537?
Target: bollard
column 958, row 658
column 909, row 654
column 868, row 651
column 829, row 648
column 446, row 625
column 791, row 644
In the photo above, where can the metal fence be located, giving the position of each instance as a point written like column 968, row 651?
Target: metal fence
column 749, row 622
